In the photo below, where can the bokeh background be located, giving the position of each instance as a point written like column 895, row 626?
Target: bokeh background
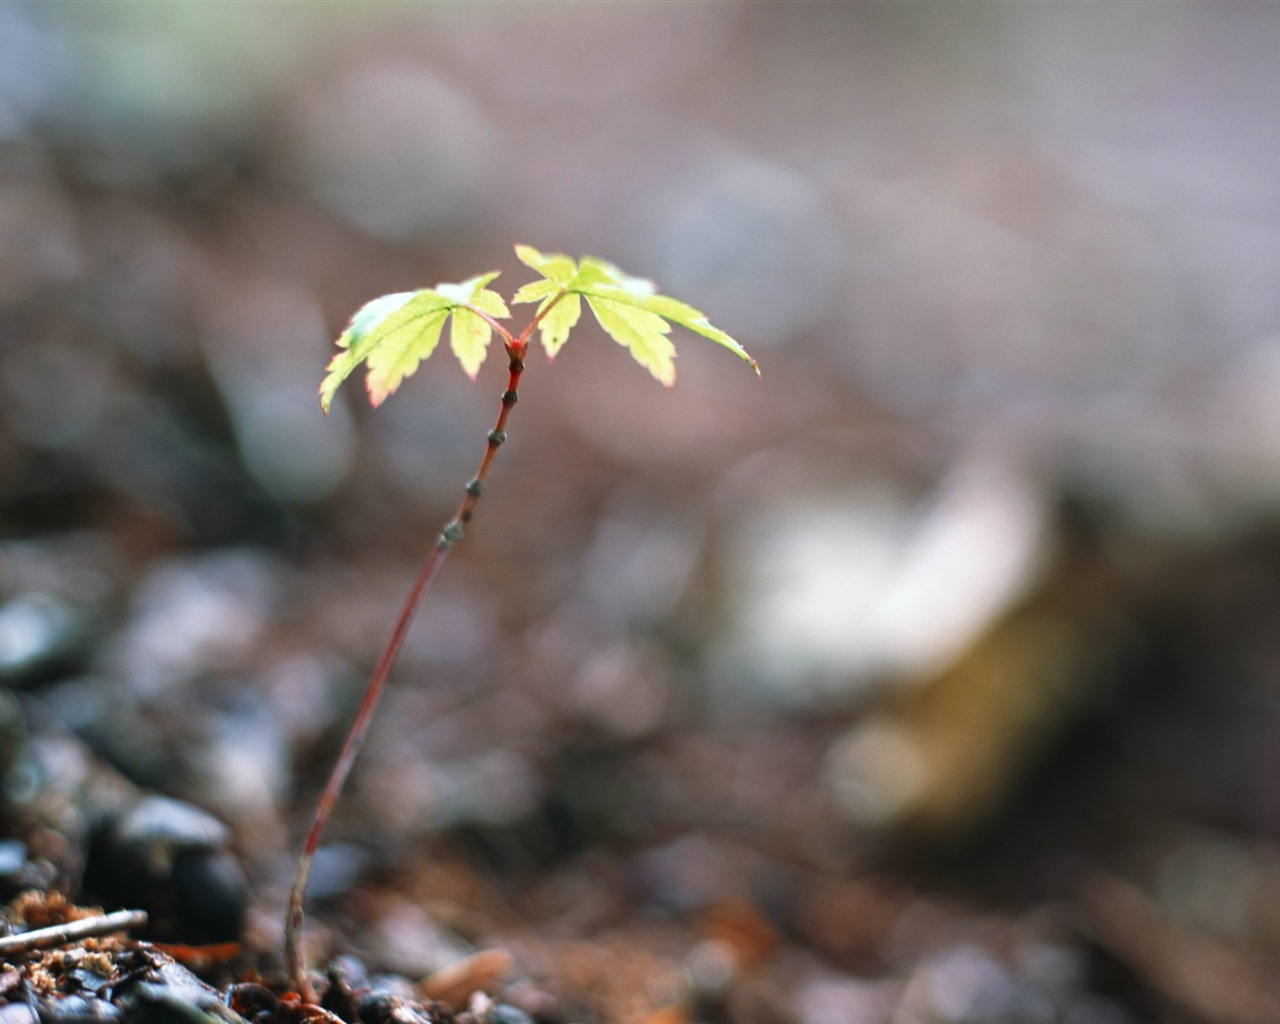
column 932, row 677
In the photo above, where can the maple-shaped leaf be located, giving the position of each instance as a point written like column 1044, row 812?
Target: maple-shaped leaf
column 628, row 308
column 469, row 334
column 393, row 334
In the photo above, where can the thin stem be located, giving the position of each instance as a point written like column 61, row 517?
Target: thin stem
column 497, row 325
column 449, row 536
column 522, row 342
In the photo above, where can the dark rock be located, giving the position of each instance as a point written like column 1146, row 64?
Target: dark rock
column 79, row 1010
column 159, row 990
column 210, row 895
column 348, row 984
column 39, row 633
column 13, row 732
column 384, row 1008
column 169, row 858
column 504, row 1013
column 18, row 1013
column 84, row 981
column 252, row 1001
column 157, row 826
column 13, row 854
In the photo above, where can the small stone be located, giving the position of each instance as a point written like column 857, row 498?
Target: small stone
column 505, row 1013
column 80, row 1010
column 169, row 858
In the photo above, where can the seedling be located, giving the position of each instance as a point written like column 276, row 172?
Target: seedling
column 391, row 336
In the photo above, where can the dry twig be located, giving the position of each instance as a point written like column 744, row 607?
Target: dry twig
column 72, row 931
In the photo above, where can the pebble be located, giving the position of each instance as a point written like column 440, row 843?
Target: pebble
column 36, row 632
column 53, row 592
column 13, row 732
column 841, row 1000
column 170, row 859
column 158, row 990
column 13, row 855
column 79, row 1010
column 196, row 616
column 252, row 1000
column 504, row 1013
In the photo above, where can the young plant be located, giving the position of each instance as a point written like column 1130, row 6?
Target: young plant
column 391, row 336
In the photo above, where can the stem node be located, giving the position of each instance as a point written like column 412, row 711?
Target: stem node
column 449, row 536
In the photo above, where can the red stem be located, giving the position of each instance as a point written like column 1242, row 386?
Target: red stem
column 450, row 535
column 342, row 768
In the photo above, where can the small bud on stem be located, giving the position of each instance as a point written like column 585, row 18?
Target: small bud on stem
column 295, row 956
column 627, row 308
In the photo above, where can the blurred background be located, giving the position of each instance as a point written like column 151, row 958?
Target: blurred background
column 933, row 677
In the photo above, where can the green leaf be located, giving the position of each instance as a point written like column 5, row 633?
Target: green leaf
column 393, row 334
column 628, row 308
column 473, row 292
column 370, row 313
column 358, row 339
column 400, row 349
column 597, row 273
column 556, row 267
column 490, row 302
column 339, row 369
column 535, row 291
column 693, row 320
column 557, row 323
column 469, row 334
column 643, row 333
column 469, row 338
column 553, row 325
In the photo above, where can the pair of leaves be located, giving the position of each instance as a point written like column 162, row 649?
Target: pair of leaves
column 394, row 333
